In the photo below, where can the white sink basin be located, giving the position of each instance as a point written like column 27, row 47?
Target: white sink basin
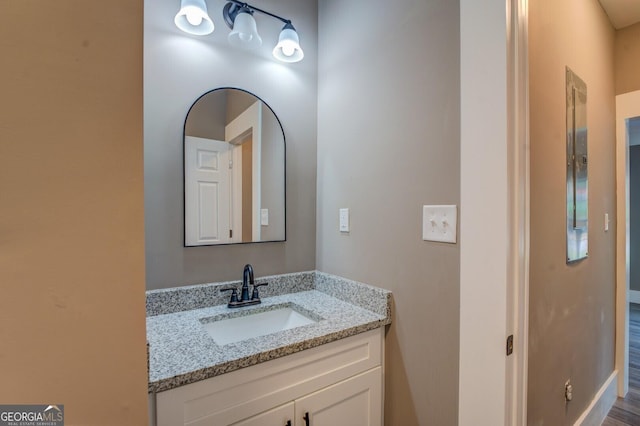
column 231, row 330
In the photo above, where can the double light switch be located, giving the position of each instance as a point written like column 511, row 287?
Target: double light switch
column 439, row 223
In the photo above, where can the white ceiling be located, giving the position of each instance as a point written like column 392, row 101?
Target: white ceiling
column 622, row 13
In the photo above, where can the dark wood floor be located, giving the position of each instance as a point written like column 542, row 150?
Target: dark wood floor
column 626, row 412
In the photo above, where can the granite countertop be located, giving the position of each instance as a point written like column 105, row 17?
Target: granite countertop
column 181, row 351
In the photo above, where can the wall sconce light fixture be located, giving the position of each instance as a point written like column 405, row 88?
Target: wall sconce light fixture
column 288, row 47
column 244, row 32
column 193, row 19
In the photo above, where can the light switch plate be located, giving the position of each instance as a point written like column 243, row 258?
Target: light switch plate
column 440, row 223
column 264, row 217
column 344, row 220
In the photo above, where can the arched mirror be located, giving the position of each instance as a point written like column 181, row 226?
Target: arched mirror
column 234, row 170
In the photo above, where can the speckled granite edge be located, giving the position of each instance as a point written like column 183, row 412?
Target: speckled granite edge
column 177, row 299
column 227, row 367
column 374, row 299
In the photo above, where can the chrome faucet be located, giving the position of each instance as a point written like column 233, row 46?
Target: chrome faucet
column 247, row 280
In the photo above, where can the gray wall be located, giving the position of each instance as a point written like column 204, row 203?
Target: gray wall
column 201, row 123
column 237, row 103
column 634, row 219
column 627, row 57
column 571, row 307
column 634, row 131
column 388, row 142
column 178, row 68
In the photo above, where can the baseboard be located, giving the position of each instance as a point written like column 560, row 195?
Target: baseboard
column 597, row 411
column 634, row 296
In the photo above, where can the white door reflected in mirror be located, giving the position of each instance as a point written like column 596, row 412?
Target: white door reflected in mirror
column 207, row 191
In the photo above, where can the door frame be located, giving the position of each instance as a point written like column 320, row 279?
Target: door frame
column 248, row 122
column 519, row 208
column 236, row 193
column 494, row 213
column 627, row 105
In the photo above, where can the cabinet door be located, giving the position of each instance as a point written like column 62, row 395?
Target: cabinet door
column 354, row 402
column 279, row 416
column 229, row 398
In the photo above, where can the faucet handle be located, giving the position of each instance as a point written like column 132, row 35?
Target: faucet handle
column 255, row 295
column 234, row 294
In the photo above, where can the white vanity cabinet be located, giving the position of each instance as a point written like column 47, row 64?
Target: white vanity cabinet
column 338, row 383
column 283, row 415
column 355, row 402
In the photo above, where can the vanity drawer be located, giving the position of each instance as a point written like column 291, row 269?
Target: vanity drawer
column 242, row 393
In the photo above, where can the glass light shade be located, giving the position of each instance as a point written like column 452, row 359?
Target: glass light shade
column 193, row 18
column 288, row 48
column 245, row 33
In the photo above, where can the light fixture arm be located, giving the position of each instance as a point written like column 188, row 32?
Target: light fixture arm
column 233, row 7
